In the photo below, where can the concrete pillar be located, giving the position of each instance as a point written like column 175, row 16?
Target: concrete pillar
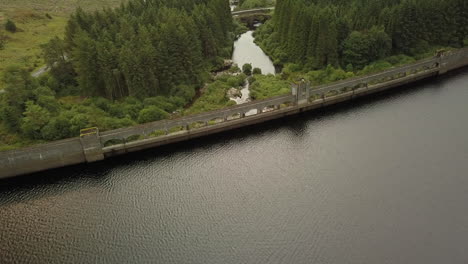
column 294, row 92
column 91, row 144
column 442, row 65
column 303, row 93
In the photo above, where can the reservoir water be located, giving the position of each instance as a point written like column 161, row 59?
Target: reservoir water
column 379, row 180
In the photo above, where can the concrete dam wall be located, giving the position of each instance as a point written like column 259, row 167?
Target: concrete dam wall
column 93, row 146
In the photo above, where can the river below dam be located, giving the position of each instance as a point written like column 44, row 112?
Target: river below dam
column 246, row 51
column 376, row 180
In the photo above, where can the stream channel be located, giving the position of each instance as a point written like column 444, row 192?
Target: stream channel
column 246, row 51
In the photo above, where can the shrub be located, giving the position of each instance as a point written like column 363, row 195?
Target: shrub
column 35, row 118
column 184, row 91
column 257, row 71
column 10, row 26
column 267, row 86
column 116, row 110
column 160, row 102
column 234, row 68
column 233, row 81
column 247, row 69
column 151, row 114
column 57, row 128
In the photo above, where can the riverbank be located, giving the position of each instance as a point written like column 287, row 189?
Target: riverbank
column 93, row 144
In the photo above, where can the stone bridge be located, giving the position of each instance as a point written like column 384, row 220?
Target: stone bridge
column 253, row 11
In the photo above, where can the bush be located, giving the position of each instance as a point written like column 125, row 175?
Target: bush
column 233, row 81
column 247, row 69
column 177, row 101
column 151, row 114
column 35, row 118
column 101, row 103
column 57, row 128
column 234, row 68
column 116, row 110
column 399, row 60
column 107, row 123
column 213, row 98
column 292, row 68
column 78, row 122
column 160, row 102
column 267, row 86
column 49, row 103
column 10, row 26
column 327, row 75
column 257, row 71
column 184, row 91
column 132, row 107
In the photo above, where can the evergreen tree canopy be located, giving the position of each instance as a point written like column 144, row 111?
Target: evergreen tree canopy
column 317, row 33
column 146, row 48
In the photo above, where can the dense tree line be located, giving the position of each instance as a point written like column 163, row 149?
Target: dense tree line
column 353, row 33
column 143, row 48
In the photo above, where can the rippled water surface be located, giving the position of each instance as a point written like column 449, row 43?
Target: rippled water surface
column 380, row 180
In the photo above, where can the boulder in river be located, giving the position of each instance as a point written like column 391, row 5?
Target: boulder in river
column 233, row 93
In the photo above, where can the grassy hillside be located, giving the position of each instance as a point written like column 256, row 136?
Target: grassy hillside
column 56, row 6
column 35, row 28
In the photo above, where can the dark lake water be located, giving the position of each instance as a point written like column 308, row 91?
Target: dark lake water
column 379, row 180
